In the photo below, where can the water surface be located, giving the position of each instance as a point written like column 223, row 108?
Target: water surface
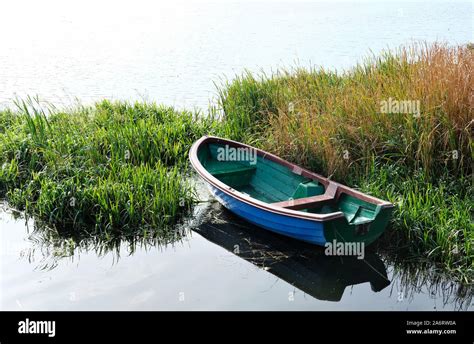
column 220, row 263
column 173, row 52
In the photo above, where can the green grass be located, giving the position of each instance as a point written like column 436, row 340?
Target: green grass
column 432, row 222
column 110, row 168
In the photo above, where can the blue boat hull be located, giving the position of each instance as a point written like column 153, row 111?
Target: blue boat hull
column 300, row 229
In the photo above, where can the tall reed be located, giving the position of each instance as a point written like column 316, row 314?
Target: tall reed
column 334, row 121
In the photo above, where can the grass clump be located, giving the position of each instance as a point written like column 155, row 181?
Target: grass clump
column 112, row 167
column 314, row 116
column 431, row 221
column 335, row 123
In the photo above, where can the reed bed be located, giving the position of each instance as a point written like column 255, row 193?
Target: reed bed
column 418, row 154
column 114, row 167
column 314, row 116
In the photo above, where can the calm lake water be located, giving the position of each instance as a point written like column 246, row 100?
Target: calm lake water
column 172, row 54
column 218, row 262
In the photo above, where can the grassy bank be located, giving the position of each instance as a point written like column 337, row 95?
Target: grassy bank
column 336, row 124
column 119, row 167
column 109, row 168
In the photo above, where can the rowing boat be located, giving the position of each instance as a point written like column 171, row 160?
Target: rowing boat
column 284, row 198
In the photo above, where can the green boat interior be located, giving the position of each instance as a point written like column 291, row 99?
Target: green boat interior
column 270, row 182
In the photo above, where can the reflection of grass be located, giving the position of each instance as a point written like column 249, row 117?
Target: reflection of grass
column 333, row 123
column 51, row 246
column 413, row 277
column 111, row 167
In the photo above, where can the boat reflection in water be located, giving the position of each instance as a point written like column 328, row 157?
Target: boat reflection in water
column 303, row 265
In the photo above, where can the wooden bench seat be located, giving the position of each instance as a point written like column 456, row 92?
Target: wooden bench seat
column 220, row 169
column 312, row 201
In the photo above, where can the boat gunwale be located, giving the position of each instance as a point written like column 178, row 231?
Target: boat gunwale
column 207, row 176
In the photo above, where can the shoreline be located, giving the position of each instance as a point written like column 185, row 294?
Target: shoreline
column 113, row 167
